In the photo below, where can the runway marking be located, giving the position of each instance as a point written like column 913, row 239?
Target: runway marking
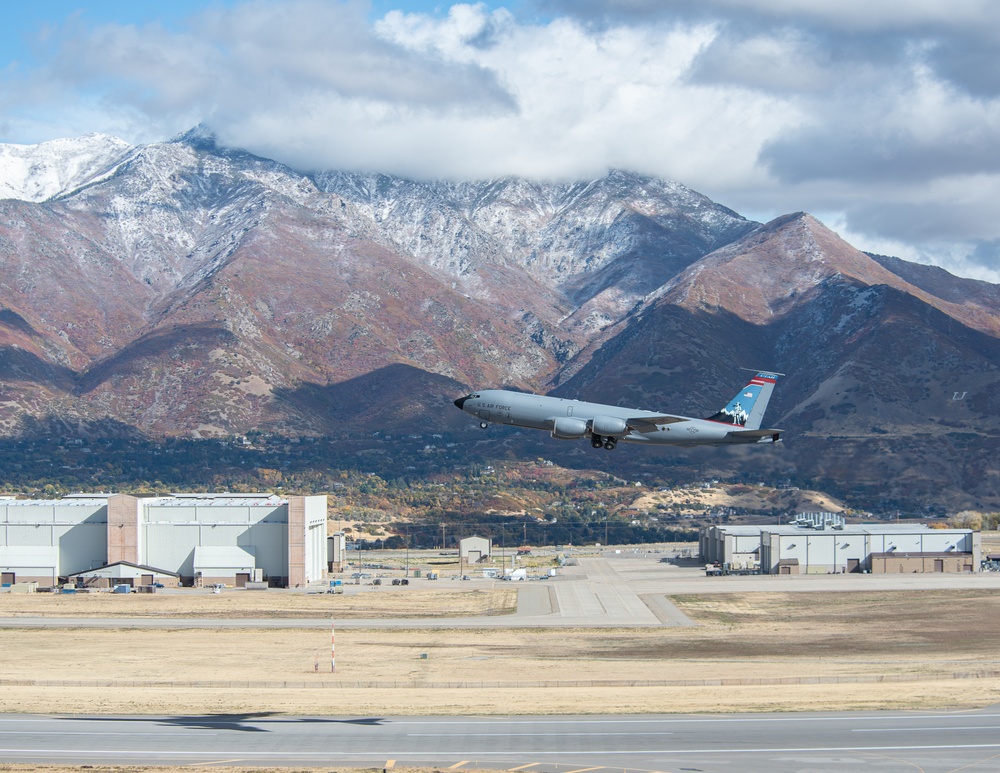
column 460, row 734
column 584, row 770
column 459, row 764
column 215, row 762
column 73, row 732
column 523, row 767
column 916, row 729
column 713, row 720
column 595, row 752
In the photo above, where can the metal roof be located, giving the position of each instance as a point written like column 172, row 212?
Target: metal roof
column 234, row 500
column 108, row 569
column 850, row 528
column 173, row 500
column 85, row 502
column 224, row 495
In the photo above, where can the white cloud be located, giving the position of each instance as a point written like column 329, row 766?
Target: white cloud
column 868, row 15
column 591, row 99
column 852, row 15
column 262, row 57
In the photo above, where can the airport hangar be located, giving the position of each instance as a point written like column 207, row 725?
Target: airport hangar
column 826, row 547
column 203, row 539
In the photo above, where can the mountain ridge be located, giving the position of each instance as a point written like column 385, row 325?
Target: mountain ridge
column 184, row 288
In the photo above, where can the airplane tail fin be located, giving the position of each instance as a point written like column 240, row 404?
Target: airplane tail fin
column 746, row 410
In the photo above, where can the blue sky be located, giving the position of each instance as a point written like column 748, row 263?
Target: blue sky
column 882, row 119
column 24, row 24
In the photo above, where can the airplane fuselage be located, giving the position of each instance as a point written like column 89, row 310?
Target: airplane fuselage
column 573, row 419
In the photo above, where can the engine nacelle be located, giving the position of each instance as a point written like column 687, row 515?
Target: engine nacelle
column 609, row 425
column 567, row 428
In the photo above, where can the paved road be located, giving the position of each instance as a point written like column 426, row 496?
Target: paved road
column 881, row 742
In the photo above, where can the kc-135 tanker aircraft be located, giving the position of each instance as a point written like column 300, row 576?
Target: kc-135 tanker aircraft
column 605, row 425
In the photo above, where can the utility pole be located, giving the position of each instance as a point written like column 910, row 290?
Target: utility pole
column 442, row 536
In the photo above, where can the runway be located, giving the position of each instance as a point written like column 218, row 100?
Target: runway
column 882, row 742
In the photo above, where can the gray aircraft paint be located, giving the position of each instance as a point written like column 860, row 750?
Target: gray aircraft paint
column 605, row 425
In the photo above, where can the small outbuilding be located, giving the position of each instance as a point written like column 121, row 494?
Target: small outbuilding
column 336, row 551
column 475, row 550
column 124, row 573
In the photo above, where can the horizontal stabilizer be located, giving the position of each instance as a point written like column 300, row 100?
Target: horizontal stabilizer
column 760, row 435
column 756, row 432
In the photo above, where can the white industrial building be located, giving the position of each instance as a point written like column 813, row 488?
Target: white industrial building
column 203, row 538
column 41, row 540
column 842, row 548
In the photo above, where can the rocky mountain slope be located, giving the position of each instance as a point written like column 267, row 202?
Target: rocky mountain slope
column 186, row 288
column 890, row 385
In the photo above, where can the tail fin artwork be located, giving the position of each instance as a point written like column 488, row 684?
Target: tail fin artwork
column 746, row 410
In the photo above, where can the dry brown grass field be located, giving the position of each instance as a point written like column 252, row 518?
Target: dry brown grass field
column 750, row 652
column 380, row 602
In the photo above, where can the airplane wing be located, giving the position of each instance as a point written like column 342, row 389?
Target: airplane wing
column 652, row 423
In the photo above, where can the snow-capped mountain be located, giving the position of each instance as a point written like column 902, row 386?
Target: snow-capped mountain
column 603, row 244
column 188, row 288
column 41, row 172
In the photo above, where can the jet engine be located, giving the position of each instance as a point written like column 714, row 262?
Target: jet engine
column 609, row 425
column 566, row 428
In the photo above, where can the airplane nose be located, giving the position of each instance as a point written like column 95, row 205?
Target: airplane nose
column 460, row 402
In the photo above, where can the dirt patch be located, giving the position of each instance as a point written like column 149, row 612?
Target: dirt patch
column 752, row 498
column 850, row 625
